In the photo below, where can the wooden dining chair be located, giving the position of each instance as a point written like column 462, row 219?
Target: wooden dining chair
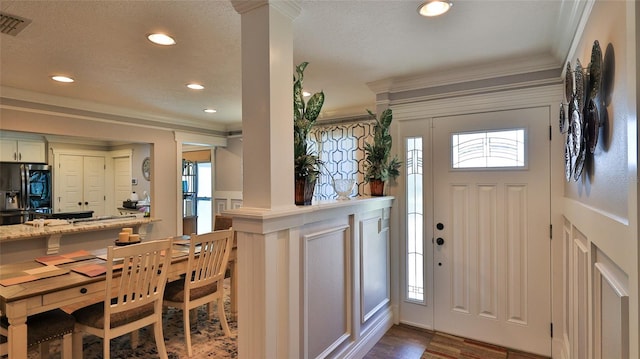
column 43, row 328
column 135, row 284
column 204, row 281
column 226, row 222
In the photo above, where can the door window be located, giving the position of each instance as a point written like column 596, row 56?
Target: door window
column 488, row 149
column 415, row 223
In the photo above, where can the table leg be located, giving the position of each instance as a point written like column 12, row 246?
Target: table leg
column 17, row 333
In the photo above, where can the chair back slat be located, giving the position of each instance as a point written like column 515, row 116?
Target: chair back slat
column 209, row 265
column 143, row 275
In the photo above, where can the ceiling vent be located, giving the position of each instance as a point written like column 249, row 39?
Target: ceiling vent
column 11, row 24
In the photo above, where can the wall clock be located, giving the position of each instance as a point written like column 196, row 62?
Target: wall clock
column 146, row 168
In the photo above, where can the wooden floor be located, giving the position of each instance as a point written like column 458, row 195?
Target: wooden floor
column 406, row 342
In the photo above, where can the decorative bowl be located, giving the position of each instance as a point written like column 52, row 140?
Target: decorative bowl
column 343, row 187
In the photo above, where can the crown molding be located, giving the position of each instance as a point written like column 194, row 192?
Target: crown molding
column 34, row 101
column 546, row 95
column 289, row 8
column 482, row 71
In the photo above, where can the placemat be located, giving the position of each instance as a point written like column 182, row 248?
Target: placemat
column 94, row 270
column 76, row 256
column 29, row 275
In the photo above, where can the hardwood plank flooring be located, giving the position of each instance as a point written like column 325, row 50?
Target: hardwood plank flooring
column 407, row 342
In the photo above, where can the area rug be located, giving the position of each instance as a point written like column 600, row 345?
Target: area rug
column 207, row 339
column 445, row 346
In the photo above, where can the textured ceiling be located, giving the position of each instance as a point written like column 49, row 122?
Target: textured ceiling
column 347, row 43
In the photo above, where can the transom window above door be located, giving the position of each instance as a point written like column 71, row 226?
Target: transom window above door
column 502, row 149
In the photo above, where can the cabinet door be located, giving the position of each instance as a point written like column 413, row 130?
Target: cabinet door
column 13, row 150
column 8, row 150
column 31, row 151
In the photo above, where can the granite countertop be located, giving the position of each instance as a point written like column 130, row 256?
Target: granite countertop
column 24, row 231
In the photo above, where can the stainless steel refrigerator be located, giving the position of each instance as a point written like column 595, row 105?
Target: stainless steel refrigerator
column 25, row 189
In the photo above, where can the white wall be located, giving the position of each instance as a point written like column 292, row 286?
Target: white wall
column 597, row 262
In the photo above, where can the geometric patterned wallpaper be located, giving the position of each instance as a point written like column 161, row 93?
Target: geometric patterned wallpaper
column 341, row 147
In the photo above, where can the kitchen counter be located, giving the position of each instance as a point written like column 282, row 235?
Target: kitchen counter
column 53, row 233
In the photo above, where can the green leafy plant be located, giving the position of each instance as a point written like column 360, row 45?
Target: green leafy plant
column 378, row 162
column 306, row 163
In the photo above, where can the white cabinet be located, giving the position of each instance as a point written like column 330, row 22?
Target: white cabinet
column 80, row 183
column 13, row 150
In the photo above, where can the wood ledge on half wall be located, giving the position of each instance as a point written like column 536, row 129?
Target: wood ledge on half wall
column 261, row 220
column 15, row 232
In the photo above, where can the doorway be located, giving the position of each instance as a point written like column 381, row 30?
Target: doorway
column 477, row 249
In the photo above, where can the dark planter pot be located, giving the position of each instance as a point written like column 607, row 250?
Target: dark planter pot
column 304, row 191
column 376, row 187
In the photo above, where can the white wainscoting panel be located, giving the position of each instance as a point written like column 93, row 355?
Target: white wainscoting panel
column 327, row 292
column 374, row 263
column 580, row 289
column 567, row 293
column 610, row 309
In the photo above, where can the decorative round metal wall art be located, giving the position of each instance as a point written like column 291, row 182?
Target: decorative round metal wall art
column 595, row 70
column 579, row 79
column 564, row 125
column 568, row 169
column 593, row 126
column 568, row 83
column 581, row 123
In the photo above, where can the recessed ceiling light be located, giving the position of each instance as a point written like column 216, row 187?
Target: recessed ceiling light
column 306, row 93
column 210, row 110
column 434, row 7
column 195, row 86
column 60, row 78
column 161, row 39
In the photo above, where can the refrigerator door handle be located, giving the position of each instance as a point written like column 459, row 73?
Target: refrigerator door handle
column 24, row 187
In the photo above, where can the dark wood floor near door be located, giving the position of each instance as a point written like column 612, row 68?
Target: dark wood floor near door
column 406, row 342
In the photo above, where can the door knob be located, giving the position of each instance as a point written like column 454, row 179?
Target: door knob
column 79, row 203
column 86, row 203
column 439, row 241
column 440, row 226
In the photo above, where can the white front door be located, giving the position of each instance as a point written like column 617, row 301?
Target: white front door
column 491, row 258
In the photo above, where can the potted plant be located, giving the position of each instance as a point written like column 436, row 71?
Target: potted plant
column 306, row 163
column 379, row 166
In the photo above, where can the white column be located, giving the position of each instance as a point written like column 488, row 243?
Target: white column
column 267, row 102
column 268, row 285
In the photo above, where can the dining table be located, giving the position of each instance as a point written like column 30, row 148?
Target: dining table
column 68, row 281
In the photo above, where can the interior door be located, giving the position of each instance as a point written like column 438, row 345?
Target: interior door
column 81, row 184
column 94, row 185
column 491, row 228
column 69, row 180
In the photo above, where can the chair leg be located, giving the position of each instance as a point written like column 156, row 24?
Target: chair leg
column 77, row 344
column 44, row 350
column 106, row 347
column 187, row 330
column 135, row 339
column 157, row 332
column 67, row 343
column 223, row 318
column 210, row 310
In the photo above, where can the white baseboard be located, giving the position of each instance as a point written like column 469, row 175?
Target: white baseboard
column 376, row 331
